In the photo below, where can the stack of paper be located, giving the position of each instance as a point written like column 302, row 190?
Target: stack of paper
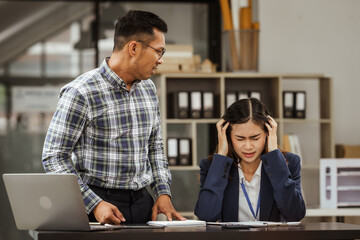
column 186, row 223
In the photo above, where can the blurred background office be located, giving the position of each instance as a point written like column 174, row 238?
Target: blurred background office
column 46, row 44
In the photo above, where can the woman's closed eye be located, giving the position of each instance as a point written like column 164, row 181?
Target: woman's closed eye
column 252, row 138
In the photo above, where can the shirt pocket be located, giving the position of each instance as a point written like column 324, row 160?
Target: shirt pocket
column 111, row 124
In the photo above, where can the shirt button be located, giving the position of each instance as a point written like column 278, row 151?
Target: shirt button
column 224, row 176
column 270, row 174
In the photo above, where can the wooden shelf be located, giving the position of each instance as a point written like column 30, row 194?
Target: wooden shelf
column 189, row 121
column 318, row 124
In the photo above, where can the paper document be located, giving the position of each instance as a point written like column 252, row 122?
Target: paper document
column 187, row 223
column 257, row 223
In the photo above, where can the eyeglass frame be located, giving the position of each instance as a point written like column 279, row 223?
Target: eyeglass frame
column 162, row 52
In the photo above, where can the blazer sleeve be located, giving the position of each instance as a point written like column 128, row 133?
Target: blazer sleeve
column 286, row 182
column 214, row 177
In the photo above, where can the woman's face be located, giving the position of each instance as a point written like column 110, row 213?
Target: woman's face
column 248, row 140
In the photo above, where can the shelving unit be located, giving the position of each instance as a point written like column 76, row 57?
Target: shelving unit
column 339, row 180
column 315, row 131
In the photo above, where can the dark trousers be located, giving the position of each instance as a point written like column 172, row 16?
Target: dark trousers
column 136, row 206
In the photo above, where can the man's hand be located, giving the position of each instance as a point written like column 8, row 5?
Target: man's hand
column 163, row 205
column 105, row 212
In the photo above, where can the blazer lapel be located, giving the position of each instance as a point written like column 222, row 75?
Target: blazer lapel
column 266, row 196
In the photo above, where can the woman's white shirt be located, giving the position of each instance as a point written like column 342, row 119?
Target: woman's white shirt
column 253, row 191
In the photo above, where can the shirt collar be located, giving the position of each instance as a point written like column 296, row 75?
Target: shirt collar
column 111, row 76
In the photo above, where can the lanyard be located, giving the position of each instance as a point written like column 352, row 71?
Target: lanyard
column 249, row 203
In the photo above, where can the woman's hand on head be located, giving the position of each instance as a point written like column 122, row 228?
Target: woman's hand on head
column 272, row 137
column 223, row 147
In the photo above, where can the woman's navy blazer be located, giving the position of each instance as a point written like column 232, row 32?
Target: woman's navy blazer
column 280, row 190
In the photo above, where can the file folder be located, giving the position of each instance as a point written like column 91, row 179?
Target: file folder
column 300, row 102
column 288, row 102
column 172, row 151
column 185, row 152
column 208, row 104
column 230, row 98
column 195, row 104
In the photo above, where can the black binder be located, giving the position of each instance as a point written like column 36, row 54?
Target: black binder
column 230, row 98
column 300, row 104
column 185, row 152
column 243, row 95
column 288, row 102
column 183, row 104
column 255, row 94
column 178, row 105
column 172, row 151
column 195, row 103
column 208, row 104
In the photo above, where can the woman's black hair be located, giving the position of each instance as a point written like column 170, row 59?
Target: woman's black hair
column 242, row 111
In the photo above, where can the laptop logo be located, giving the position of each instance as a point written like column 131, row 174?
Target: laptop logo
column 45, row 202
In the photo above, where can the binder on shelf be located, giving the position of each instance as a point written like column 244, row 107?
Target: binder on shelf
column 172, row 151
column 183, row 104
column 185, row 152
column 178, row 105
column 255, row 94
column 288, row 102
column 230, row 98
column 243, row 95
column 300, row 103
column 208, row 104
column 195, row 103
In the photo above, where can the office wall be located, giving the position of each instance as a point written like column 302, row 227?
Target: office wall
column 317, row 36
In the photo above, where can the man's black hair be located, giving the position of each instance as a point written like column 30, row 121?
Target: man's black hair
column 137, row 25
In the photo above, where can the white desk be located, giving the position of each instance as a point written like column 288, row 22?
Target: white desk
column 337, row 214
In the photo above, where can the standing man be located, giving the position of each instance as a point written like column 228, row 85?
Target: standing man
column 107, row 123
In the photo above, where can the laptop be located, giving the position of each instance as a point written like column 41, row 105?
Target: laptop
column 41, row 201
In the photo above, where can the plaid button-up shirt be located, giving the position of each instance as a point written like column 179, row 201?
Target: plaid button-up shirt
column 108, row 136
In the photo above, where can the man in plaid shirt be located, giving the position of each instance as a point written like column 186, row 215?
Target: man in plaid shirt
column 106, row 129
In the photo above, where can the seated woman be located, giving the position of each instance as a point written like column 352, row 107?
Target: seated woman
column 248, row 177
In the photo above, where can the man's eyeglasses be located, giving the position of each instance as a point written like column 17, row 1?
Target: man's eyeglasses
column 160, row 52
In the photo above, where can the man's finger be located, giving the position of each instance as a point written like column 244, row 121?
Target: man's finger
column 169, row 216
column 178, row 216
column 114, row 220
column 154, row 215
column 118, row 214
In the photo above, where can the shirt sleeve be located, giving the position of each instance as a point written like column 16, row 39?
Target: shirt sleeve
column 64, row 132
column 158, row 161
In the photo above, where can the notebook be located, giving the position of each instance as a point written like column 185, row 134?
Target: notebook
column 42, row 201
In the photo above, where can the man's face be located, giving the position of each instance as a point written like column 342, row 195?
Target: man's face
column 150, row 56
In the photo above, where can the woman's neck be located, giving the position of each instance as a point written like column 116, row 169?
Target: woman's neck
column 249, row 169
